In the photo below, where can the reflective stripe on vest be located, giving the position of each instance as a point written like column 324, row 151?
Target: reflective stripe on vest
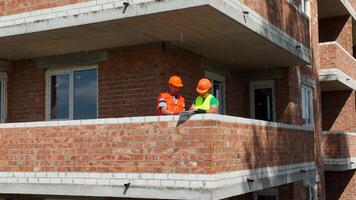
column 171, row 105
column 203, row 104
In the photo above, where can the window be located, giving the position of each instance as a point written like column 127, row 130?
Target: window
column 312, row 192
column 262, row 104
column 268, row 194
column 218, row 89
column 72, row 94
column 3, row 84
column 307, row 104
column 305, row 7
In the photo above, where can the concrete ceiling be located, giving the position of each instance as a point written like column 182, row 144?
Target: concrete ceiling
column 333, row 86
column 202, row 30
column 331, row 8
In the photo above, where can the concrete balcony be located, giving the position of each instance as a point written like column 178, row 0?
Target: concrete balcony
column 204, row 157
column 333, row 8
column 339, row 151
column 338, row 68
column 226, row 31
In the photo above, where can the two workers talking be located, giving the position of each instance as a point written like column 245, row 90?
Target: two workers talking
column 171, row 103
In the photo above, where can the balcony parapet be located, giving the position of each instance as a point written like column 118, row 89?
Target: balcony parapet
column 339, row 151
column 205, row 157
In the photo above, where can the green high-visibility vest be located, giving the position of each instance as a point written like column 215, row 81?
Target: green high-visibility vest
column 203, row 104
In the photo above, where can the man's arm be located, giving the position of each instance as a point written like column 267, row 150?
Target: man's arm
column 213, row 109
column 214, row 106
column 192, row 107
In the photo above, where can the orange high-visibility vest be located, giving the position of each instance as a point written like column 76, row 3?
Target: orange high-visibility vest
column 172, row 106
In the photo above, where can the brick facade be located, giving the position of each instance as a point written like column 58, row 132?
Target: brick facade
column 339, row 110
column 283, row 14
column 338, row 146
column 342, row 185
column 15, row 6
column 337, row 29
column 201, row 147
column 132, row 77
column 129, row 82
column 332, row 55
column 26, row 92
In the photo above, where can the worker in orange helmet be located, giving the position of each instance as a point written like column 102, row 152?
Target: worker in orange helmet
column 171, row 103
column 205, row 102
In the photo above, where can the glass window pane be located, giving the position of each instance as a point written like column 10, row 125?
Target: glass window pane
column 60, row 96
column 85, row 94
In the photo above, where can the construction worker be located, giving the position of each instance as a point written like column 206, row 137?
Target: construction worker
column 171, row 103
column 205, row 102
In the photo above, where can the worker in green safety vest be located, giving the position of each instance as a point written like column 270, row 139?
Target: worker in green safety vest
column 205, row 102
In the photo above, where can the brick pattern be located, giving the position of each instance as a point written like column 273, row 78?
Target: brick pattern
column 338, row 145
column 337, row 29
column 132, row 78
column 203, row 147
column 10, row 7
column 339, row 111
column 25, row 92
column 345, row 187
column 237, row 95
column 332, row 55
column 285, row 16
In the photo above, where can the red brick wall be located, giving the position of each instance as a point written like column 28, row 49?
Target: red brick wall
column 25, row 92
column 9, row 7
column 340, row 185
column 129, row 82
column 339, row 111
column 288, row 96
column 337, row 29
column 132, row 78
column 195, row 147
column 237, row 95
column 332, row 56
column 338, row 146
column 283, row 15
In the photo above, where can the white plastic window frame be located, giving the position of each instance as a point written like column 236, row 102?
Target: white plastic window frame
column 3, row 100
column 70, row 71
column 313, row 192
column 307, row 104
column 214, row 76
column 262, row 85
column 303, row 7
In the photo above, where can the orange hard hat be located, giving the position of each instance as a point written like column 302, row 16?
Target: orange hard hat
column 176, row 81
column 204, row 85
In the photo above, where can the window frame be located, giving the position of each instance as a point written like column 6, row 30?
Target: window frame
column 70, row 71
column 262, row 85
column 310, row 90
column 3, row 100
column 214, row 76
